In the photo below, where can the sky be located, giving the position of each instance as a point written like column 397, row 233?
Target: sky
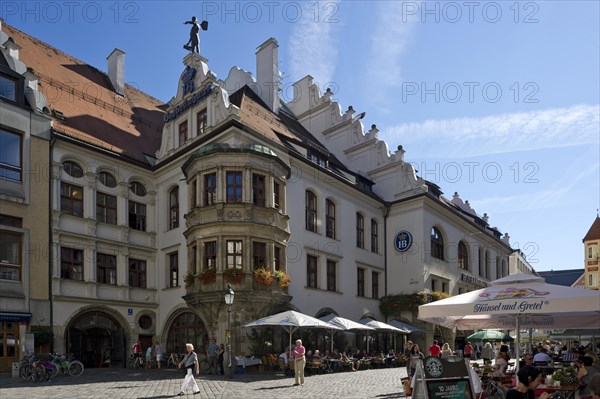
column 496, row 100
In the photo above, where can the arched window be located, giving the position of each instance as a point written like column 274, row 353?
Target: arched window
column 138, row 189
column 330, row 219
column 463, row 256
column 174, row 208
column 311, row 211
column 107, row 179
column 498, row 268
column 486, row 269
column 437, row 244
column 72, row 169
column 187, row 328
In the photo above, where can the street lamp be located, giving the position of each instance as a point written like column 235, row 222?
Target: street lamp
column 229, row 294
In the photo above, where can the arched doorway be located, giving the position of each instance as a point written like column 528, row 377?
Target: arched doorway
column 187, row 328
column 96, row 339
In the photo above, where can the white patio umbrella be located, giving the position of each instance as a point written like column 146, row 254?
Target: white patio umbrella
column 343, row 324
column 380, row 326
column 290, row 321
column 514, row 302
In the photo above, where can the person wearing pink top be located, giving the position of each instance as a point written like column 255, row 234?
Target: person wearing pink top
column 300, row 360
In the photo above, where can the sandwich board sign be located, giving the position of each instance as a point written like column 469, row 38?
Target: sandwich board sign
column 439, row 378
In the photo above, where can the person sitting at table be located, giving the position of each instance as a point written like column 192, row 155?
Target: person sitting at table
column 347, row 361
column 585, row 373
column 542, row 356
column 570, row 356
column 390, row 358
column 309, row 356
column 284, row 356
column 316, row 355
column 527, row 360
column 337, row 358
column 529, row 378
column 500, row 365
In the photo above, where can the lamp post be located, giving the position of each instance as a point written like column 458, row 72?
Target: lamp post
column 229, row 294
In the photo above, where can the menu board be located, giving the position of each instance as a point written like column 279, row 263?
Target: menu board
column 452, row 388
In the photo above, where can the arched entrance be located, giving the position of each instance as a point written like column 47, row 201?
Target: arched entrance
column 96, row 339
column 187, row 327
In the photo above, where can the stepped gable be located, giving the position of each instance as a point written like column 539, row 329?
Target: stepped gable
column 129, row 126
column 594, row 231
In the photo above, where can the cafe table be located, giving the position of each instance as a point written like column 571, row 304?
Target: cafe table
column 567, row 391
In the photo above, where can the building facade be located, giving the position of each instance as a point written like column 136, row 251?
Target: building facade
column 24, row 249
column 155, row 208
column 591, row 247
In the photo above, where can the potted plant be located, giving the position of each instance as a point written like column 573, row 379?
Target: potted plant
column 208, row 276
column 233, row 275
column 188, row 279
column 282, row 278
column 263, row 276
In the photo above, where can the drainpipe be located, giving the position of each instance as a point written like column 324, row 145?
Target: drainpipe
column 50, row 251
column 386, row 212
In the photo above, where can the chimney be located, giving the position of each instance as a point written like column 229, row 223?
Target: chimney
column 267, row 73
column 116, row 70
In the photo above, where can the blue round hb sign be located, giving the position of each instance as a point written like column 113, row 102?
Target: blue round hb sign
column 403, row 241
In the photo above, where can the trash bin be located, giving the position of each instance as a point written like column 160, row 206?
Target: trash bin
column 15, row 369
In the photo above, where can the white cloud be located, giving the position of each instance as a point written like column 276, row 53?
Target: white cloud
column 312, row 49
column 522, row 131
column 389, row 38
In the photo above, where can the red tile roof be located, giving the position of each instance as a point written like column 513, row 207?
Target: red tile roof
column 130, row 126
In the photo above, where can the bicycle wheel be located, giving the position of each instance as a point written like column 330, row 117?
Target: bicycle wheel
column 25, row 372
column 38, row 373
column 55, row 369
column 75, row 368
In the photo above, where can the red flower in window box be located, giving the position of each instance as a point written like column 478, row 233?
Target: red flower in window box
column 208, row 276
column 233, row 275
column 263, row 276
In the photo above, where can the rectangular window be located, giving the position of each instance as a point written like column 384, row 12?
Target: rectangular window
column 193, row 194
column 210, row 255
column 360, row 282
column 71, row 199
column 10, row 155
column 259, row 254
column 8, row 88
column 193, row 258
column 210, row 189
column 360, row 231
column 258, row 189
column 106, row 208
column 375, row 285
column 71, row 264
column 374, row 237
column 276, row 195
column 444, row 287
column 137, row 273
column 311, row 271
column 174, row 270
column 10, row 255
column 106, row 269
column 183, row 133
column 137, row 216
column 330, row 219
column 200, row 122
column 234, row 187
column 331, row 275
column 234, row 254
column 311, row 212
column 277, row 257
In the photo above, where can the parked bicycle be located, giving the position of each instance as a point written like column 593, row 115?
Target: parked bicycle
column 66, row 364
column 136, row 360
column 173, row 360
column 31, row 370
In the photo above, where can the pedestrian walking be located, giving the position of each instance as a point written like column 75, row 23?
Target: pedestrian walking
column 159, row 354
column 416, row 358
column 434, row 349
column 148, row 356
column 221, row 358
column 189, row 362
column 468, row 350
column 300, row 362
column 211, row 353
column 487, row 353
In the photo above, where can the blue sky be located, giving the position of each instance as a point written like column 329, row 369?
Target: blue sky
column 498, row 101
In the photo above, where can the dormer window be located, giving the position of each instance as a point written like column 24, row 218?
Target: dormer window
column 8, row 88
column 314, row 158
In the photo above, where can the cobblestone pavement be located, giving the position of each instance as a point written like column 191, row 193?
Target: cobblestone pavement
column 117, row 383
